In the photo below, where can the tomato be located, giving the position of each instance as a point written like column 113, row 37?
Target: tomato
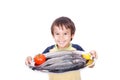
column 39, row 59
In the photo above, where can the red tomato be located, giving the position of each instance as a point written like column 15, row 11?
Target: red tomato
column 39, row 59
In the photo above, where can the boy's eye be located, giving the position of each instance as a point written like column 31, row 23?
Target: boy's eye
column 65, row 33
column 59, row 33
column 56, row 33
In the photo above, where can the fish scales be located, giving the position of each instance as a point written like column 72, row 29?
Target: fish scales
column 61, row 53
column 56, row 60
column 66, row 69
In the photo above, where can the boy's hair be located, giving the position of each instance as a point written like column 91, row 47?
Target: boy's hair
column 63, row 21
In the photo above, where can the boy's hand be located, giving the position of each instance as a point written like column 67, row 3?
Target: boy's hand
column 28, row 60
column 94, row 56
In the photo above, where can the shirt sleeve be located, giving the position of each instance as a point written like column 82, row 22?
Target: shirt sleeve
column 77, row 47
column 48, row 49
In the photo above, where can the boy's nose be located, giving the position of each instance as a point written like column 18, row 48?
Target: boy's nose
column 61, row 37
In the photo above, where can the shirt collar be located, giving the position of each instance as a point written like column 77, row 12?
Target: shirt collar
column 68, row 48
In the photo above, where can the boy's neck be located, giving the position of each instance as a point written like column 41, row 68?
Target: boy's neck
column 65, row 48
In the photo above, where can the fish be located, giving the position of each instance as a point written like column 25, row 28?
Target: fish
column 61, row 53
column 62, row 61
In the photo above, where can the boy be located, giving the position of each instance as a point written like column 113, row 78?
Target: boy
column 63, row 30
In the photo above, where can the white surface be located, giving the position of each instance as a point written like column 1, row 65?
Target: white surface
column 25, row 30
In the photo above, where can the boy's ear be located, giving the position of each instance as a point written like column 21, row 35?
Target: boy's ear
column 72, row 35
column 53, row 36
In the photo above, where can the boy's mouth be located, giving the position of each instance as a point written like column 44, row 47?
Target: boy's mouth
column 61, row 42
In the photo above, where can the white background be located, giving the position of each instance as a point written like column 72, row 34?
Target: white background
column 25, row 31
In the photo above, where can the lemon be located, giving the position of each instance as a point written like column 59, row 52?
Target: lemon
column 89, row 62
column 87, row 56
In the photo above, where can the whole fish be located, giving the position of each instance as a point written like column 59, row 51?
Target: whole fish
column 61, row 53
column 63, row 61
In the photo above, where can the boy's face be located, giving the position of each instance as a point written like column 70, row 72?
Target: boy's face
column 62, row 36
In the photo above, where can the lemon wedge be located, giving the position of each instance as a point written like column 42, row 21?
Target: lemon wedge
column 87, row 56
